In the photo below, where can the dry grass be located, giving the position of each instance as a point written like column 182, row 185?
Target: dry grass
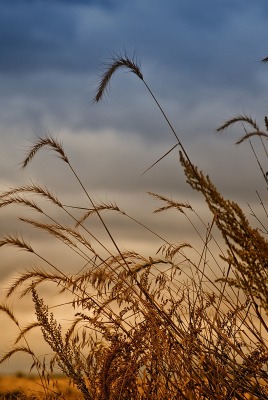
column 160, row 327
column 31, row 387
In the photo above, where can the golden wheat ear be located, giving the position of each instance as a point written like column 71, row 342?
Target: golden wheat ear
column 117, row 62
column 49, row 142
column 239, row 118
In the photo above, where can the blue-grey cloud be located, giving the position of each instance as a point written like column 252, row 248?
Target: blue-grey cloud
column 201, row 60
column 73, row 36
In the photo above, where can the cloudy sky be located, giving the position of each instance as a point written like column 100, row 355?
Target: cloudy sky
column 200, row 58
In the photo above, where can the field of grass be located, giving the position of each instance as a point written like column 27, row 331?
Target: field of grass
column 19, row 385
column 162, row 327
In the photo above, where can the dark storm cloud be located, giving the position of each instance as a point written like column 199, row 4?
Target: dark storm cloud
column 41, row 35
column 35, row 37
column 197, row 57
column 73, row 36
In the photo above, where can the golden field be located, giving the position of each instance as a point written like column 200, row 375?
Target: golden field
column 18, row 386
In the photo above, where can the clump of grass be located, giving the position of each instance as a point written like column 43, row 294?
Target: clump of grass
column 159, row 327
